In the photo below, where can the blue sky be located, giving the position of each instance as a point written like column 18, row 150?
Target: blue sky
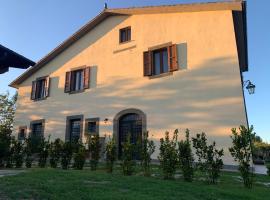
column 33, row 28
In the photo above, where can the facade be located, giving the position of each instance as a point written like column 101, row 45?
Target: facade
column 136, row 69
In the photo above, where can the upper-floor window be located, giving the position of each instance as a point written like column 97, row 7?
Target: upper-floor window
column 40, row 88
column 77, row 80
column 160, row 60
column 125, row 34
column 37, row 128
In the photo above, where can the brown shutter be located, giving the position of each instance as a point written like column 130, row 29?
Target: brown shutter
column 147, row 63
column 67, row 82
column 86, row 78
column 172, row 58
column 47, row 86
column 33, row 91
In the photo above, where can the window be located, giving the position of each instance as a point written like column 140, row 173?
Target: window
column 160, row 60
column 37, row 128
column 22, row 133
column 125, row 34
column 40, row 88
column 74, row 128
column 92, row 126
column 77, row 80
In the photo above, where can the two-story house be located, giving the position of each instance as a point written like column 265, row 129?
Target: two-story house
column 130, row 70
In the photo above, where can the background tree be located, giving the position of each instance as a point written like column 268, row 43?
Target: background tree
column 7, row 111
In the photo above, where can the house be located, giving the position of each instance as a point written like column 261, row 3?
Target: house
column 130, row 70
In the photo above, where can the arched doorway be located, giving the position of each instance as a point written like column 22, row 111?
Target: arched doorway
column 129, row 122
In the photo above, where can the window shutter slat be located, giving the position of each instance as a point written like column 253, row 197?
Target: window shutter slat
column 172, row 58
column 33, row 91
column 147, row 63
column 67, row 82
column 47, row 86
column 86, row 83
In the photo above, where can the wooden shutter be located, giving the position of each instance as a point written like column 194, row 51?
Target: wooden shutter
column 47, row 86
column 86, row 78
column 33, row 91
column 147, row 63
column 172, row 58
column 67, row 82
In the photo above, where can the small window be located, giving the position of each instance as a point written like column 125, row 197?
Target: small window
column 74, row 128
column 37, row 128
column 125, row 34
column 40, row 88
column 22, row 133
column 92, row 126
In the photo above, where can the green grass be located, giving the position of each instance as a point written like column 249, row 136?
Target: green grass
column 73, row 184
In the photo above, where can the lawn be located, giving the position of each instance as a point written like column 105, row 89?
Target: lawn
column 72, row 184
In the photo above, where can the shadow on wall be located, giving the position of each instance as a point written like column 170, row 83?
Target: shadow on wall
column 206, row 98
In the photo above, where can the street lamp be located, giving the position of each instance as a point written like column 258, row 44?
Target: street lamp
column 249, row 86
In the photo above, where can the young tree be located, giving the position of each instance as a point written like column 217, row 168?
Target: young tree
column 241, row 151
column 186, row 157
column 209, row 158
column 55, row 152
column 128, row 164
column 110, row 154
column 146, row 150
column 94, row 148
column 168, row 155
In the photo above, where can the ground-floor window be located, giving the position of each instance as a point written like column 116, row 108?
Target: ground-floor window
column 92, row 126
column 37, row 128
column 22, row 133
column 74, row 128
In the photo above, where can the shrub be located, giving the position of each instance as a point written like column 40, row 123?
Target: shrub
column 79, row 157
column 127, row 163
column 43, row 152
column 66, row 154
column 110, row 155
column 147, row 149
column 18, row 153
column 55, row 152
column 94, row 148
column 28, row 152
column 241, row 151
column 209, row 158
column 168, row 155
column 185, row 157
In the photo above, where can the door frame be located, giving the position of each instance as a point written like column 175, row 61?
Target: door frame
column 116, row 123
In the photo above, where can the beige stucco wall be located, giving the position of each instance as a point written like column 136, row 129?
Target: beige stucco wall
column 207, row 96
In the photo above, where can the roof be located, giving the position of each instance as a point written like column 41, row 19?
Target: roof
column 9, row 58
column 195, row 7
